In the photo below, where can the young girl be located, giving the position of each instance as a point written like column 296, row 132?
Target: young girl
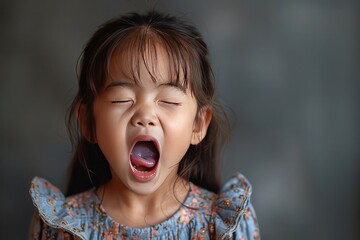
column 148, row 131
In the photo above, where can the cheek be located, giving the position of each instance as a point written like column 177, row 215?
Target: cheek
column 108, row 130
column 180, row 129
column 104, row 127
column 106, row 120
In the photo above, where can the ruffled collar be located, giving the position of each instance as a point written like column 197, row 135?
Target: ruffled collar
column 84, row 216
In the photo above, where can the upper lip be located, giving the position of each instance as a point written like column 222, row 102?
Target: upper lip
column 146, row 138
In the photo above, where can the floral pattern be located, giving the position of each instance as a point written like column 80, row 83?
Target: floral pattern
column 204, row 215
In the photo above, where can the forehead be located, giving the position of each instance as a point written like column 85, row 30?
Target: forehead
column 154, row 64
column 141, row 58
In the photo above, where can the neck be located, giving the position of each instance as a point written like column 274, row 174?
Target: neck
column 135, row 210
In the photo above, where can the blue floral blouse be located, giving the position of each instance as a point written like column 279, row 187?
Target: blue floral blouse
column 204, row 215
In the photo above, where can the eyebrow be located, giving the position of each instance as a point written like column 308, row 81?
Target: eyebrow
column 131, row 84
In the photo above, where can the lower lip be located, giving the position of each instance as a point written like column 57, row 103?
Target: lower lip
column 144, row 176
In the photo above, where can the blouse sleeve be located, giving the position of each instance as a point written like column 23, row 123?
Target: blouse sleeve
column 52, row 220
column 234, row 214
column 40, row 230
column 248, row 227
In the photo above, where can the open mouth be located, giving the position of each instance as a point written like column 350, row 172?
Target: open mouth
column 144, row 158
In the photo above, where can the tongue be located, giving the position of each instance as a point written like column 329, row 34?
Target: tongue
column 141, row 162
column 144, row 156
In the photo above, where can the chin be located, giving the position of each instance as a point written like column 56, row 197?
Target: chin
column 144, row 188
column 157, row 184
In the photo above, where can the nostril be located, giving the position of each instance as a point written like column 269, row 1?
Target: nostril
column 145, row 123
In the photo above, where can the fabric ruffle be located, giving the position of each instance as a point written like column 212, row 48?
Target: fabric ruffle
column 231, row 205
column 50, row 202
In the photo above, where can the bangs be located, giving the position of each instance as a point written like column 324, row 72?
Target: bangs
column 144, row 46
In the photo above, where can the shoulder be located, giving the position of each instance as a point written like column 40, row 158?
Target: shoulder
column 200, row 198
column 234, row 216
column 58, row 213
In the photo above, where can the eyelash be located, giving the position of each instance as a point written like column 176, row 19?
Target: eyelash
column 121, row 101
column 166, row 102
column 171, row 103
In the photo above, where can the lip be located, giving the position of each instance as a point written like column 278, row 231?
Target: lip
column 139, row 175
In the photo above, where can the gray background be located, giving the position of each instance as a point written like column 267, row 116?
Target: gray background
column 288, row 69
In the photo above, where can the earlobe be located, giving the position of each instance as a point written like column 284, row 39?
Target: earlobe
column 201, row 125
column 83, row 123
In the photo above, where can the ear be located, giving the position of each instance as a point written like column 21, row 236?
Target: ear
column 83, row 123
column 201, row 125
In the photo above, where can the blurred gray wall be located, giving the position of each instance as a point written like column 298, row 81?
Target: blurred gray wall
column 288, row 69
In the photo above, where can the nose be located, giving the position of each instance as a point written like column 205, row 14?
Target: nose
column 144, row 117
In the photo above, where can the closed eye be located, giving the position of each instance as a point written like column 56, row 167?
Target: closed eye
column 171, row 103
column 121, row 101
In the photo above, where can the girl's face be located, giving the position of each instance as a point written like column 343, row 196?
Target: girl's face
column 145, row 129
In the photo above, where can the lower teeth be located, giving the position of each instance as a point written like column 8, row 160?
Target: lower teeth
column 142, row 169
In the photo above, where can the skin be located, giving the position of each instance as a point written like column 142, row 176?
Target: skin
column 123, row 111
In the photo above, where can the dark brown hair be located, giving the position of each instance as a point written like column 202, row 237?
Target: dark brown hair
column 136, row 35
